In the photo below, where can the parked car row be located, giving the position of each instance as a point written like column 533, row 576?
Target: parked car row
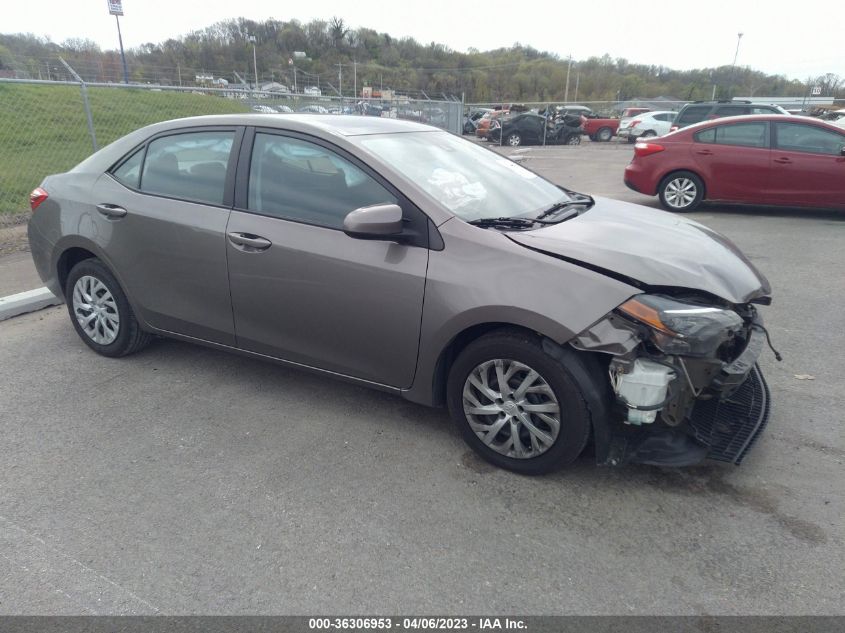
column 635, row 122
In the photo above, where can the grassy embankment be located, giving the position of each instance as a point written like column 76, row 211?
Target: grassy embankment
column 43, row 129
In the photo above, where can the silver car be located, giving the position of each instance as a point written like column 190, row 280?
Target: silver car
column 400, row 257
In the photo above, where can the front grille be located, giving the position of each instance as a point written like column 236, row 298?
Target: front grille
column 730, row 427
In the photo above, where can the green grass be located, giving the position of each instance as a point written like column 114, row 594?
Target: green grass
column 43, row 129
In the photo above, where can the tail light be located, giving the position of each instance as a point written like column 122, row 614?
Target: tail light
column 674, row 128
column 634, row 123
column 37, row 196
column 641, row 150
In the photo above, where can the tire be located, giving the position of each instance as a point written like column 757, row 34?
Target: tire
column 604, row 135
column 575, row 139
column 514, row 140
column 632, row 139
column 93, row 295
column 592, row 137
column 681, row 191
column 517, row 353
column 648, row 134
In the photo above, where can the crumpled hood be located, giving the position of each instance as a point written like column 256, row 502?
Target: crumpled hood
column 653, row 247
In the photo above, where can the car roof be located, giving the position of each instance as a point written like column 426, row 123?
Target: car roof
column 335, row 124
column 747, row 118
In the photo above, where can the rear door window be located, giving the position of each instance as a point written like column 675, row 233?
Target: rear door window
column 693, row 114
column 190, row 166
column 798, row 137
column 129, row 171
column 752, row 134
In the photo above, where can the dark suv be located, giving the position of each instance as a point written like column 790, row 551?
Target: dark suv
column 706, row 110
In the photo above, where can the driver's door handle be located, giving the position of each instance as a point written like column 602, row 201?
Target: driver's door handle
column 249, row 242
column 704, row 152
column 111, row 210
column 782, row 161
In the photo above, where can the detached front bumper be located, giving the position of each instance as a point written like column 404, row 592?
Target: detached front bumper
column 727, row 408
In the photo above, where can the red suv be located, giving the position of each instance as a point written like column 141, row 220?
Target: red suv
column 767, row 159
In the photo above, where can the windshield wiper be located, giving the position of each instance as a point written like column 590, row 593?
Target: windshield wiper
column 518, row 223
column 583, row 199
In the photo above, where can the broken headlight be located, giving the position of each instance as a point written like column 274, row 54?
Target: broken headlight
column 682, row 328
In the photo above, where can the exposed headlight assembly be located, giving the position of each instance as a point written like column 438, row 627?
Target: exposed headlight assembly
column 683, row 328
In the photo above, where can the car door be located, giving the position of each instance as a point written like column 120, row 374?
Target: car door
column 808, row 168
column 304, row 291
column 734, row 161
column 163, row 212
column 662, row 122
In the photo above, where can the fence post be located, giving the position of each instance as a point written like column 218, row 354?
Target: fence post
column 84, row 89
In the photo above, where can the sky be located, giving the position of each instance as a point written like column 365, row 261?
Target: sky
column 781, row 38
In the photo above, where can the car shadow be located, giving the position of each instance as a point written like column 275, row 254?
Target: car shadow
column 763, row 210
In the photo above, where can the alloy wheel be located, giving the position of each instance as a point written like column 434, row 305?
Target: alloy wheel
column 680, row 192
column 511, row 408
column 95, row 310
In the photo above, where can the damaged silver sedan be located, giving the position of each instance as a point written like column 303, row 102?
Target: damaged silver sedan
column 405, row 259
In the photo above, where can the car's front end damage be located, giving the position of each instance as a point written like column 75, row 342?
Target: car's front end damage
column 684, row 379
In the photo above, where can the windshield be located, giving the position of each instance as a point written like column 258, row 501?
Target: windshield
column 470, row 181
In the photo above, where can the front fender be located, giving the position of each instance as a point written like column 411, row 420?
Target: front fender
column 481, row 278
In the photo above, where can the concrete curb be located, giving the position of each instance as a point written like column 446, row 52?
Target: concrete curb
column 29, row 301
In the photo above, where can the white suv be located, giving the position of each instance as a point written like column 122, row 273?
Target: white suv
column 645, row 125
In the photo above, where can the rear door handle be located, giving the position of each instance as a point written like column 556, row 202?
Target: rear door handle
column 783, row 161
column 249, row 242
column 111, row 210
column 704, row 152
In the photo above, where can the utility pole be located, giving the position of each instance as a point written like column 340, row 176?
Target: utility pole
column 566, row 91
column 355, row 78
column 340, row 82
column 577, row 81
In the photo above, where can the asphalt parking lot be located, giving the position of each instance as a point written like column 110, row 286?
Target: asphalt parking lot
column 185, row 480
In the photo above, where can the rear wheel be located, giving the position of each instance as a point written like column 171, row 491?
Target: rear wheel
column 100, row 311
column 604, row 134
column 575, row 139
column 514, row 140
column 681, row 191
column 515, row 405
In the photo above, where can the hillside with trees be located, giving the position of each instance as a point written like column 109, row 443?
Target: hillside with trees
column 366, row 57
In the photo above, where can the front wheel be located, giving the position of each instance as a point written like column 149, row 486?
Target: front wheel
column 515, row 405
column 681, row 191
column 100, row 311
column 514, row 140
column 575, row 139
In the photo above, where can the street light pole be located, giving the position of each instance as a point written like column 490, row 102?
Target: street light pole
column 566, row 91
column 733, row 66
column 254, row 59
column 736, row 54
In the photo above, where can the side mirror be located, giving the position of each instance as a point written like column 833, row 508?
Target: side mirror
column 378, row 222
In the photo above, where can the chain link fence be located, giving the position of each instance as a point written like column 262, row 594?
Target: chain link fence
column 47, row 127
